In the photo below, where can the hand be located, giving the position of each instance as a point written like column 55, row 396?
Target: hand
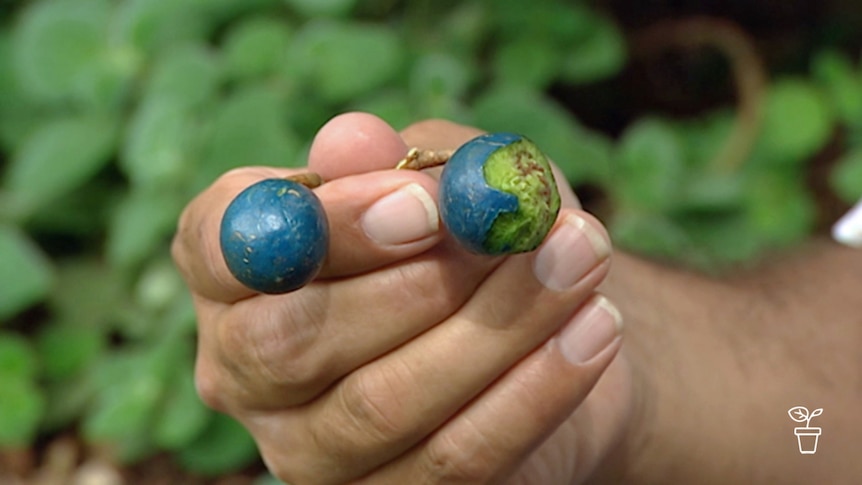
column 410, row 360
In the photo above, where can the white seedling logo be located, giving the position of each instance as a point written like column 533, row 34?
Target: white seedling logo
column 806, row 436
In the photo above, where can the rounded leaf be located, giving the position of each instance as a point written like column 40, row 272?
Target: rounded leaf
column 67, row 349
column 779, row 208
column 17, row 357
column 842, row 83
column 21, row 411
column 322, row 8
column 257, row 47
column 140, row 224
column 187, row 76
column 600, row 52
column 160, row 144
column 26, row 275
column 154, row 25
column 344, row 60
column 58, row 45
column 224, row 446
column 60, row 156
column 183, row 416
column 650, row 165
column 248, row 128
column 846, row 177
column 798, row 413
column 530, row 61
column 797, row 122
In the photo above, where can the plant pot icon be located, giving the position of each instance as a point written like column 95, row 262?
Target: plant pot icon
column 807, row 438
column 805, row 435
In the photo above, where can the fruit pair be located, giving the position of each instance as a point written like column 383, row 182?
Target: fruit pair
column 497, row 195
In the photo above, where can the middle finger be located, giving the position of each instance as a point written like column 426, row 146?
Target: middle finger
column 387, row 406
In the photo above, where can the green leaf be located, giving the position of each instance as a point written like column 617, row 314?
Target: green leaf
column 141, row 224
column 21, row 410
column 257, row 47
column 160, row 145
column 440, row 74
column 649, row 234
column 223, row 447
column 17, row 358
column 705, row 137
column 779, row 208
column 67, row 349
column 530, row 61
column 18, row 111
column 183, row 416
column 59, row 46
column 708, row 192
column 719, row 239
column 650, row 166
column 267, row 479
column 797, row 122
column 130, row 383
column 151, row 26
column 67, row 400
column 550, row 19
column 249, row 128
column 846, row 176
column 843, row 84
column 60, row 156
column 393, row 106
column 437, row 86
column 92, row 291
column 322, row 8
column 158, row 285
column 600, row 52
column 582, row 155
column 186, row 76
column 465, row 29
column 25, row 273
column 343, row 61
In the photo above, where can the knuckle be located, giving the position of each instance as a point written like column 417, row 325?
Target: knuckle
column 373, row 409
column 275, row 349
column 208, row 385
column 291, row 468
column 461, row 458
column 418, row 284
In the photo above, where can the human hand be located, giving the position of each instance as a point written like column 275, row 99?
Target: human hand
column 409, row 360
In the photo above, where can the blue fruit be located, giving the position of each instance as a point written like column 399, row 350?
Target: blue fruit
column 274, row 236
column 498, row 195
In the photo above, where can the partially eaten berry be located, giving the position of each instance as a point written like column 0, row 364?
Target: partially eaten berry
column 274, row 236
column 498, row 195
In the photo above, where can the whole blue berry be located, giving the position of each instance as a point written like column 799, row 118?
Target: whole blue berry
column 498, row 195
column 274, row 236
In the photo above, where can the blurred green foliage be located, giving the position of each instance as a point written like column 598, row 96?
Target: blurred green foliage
column 113, row 115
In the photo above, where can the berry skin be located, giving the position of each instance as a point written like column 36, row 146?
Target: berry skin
column 274, row 236
column 498, row 195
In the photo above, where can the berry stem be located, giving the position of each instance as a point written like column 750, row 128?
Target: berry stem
column 308, row 179
column 417, row 159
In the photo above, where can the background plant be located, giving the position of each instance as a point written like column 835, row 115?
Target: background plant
column 113, row 114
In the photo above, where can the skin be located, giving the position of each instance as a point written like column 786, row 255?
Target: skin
column 449, row 378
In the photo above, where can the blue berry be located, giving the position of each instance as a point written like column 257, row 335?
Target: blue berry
column 274, row 236
column 498, row 195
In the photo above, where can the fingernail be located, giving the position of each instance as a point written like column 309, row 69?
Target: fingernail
column 569, row 253
column 406, row 215
column 591, row 331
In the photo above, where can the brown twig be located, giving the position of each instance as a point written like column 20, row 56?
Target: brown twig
column 749, row 74
column 417, row 159
column 308, row 179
